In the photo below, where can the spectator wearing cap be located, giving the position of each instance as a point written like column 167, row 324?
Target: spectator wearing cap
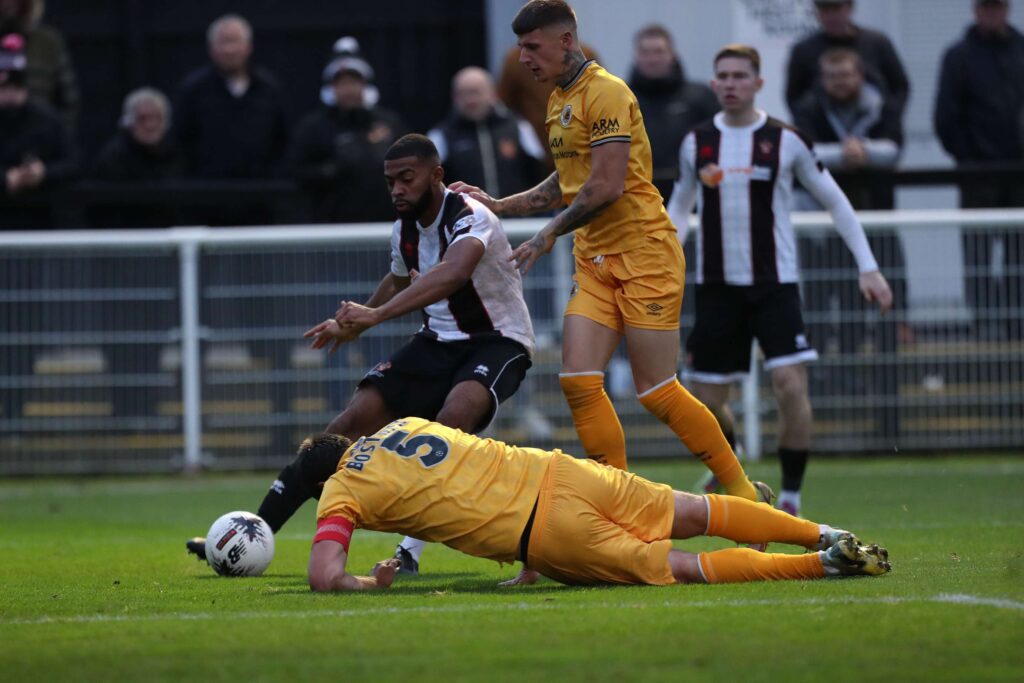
column 337, row 152
column 230, row 116
column 671, row 105
column 35, row 148
column 483, row 143
column 141, row 151
column 882, row 66
column 50, row 76
column 978, row 119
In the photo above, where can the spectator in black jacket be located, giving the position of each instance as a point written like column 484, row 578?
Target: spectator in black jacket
column 141, row 151
column 338, row 150
column 483, row 143
column 855, row 128
column 670, row 104
column 978, row 119
column 230, row 116
column 35, row 148
column 882, row 66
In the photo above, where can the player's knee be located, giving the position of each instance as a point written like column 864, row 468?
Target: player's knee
column 685, row 567
column 789, row 386
column 690, row 515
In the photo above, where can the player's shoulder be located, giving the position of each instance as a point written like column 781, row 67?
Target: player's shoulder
column 790, row 133
column 465, row 212
column 600, row 80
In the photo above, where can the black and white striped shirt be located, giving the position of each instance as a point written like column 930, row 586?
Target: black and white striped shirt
column 746, row 236
column 491, row 303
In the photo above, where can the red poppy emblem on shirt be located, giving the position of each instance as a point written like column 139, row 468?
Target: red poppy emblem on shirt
column 707, row 151
column 766, row 147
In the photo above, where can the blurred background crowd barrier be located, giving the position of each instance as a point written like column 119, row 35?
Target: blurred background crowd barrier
column 168, row 350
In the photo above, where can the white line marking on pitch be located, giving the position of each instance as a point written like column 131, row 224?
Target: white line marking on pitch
column 947, row 598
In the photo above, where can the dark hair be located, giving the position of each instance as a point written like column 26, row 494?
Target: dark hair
column 837, row 55
column 742, row 52
column 653, row 31
column 318, row 458
column 413, row 145
column 543, row 13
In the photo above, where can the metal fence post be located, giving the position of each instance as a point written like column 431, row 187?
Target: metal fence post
column 191, row 369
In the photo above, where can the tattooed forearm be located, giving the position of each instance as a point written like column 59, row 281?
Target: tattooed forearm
column 580, row 212
column 544, row 197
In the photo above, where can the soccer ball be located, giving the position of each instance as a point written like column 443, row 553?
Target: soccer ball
column 239, row 544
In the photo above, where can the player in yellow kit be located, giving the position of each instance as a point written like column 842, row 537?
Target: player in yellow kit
column 572, row 520
column 629, row 265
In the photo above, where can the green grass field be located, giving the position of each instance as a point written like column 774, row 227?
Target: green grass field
column 95, row 585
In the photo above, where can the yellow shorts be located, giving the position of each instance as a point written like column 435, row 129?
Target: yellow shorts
column 598, row 524
column 641, row 288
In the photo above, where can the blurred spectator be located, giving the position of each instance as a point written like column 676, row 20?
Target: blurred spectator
column 230, row 116
column 35, row 149
column 978, row 119
column 50, row 76
column 141, row 151
column 528, row 97
column 483, row 143
column 338, row 150
column 882, row 66
column 854, row 128
column 670, row 104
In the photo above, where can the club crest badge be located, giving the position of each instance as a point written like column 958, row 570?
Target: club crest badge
column 566, row 117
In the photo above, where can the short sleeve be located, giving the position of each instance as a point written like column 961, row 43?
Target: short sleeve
column 609, row 114
column 397, row 262
column 337, row 501
column 480, row 224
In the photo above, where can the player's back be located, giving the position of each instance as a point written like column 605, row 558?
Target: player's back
column 438, row 484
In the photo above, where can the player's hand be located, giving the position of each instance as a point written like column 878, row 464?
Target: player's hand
column 385, row 571
column 329, row 332
column 351, row 314
column 527, row 253
column 478, row 194
column 875, row 289
column 526, row 577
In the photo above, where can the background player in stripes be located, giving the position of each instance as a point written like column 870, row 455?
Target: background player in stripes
column 740, row 167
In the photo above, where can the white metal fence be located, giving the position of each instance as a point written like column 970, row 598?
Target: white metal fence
column 175, row 349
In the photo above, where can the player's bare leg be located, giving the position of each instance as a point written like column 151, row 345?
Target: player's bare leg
column 789, row 384
column 839, row 551
column 366, row 413
column 654, row 356
column 587, row 346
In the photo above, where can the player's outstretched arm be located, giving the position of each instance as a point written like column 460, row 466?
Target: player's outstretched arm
column 334, row 333
column 327, row 561
column 605, row 185
column 545, row 196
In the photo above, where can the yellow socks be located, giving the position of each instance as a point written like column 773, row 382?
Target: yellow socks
column 745, row 522
column 696, row 427
column 595, row 419
column 735, row 565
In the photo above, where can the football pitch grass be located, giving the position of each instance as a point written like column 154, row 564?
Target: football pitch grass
column 95, row 585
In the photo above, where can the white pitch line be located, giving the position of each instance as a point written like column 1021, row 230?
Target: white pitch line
column 945, row 598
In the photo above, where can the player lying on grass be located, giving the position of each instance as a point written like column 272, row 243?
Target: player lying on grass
column 574, row 521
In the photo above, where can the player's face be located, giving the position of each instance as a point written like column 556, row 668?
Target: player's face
column 543, row 52
column 841, row 80
column 735, row 83
column 411, row 181
column 654, row 57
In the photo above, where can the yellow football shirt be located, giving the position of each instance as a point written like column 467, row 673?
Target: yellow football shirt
column 438, row 484
column 597, row 108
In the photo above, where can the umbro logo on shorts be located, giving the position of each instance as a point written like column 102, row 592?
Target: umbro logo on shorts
column 655, row 309
column 482, row 370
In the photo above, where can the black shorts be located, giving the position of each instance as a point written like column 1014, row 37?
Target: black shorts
column 729, row 317
column 417, row 379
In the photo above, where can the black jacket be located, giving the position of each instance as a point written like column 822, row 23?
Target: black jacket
column 882, row 65
column 512, row 170
column 338, row 156
column 671, row 106
column 981, row 98
column 35, row 130
column 224, row 136
column 123, row 159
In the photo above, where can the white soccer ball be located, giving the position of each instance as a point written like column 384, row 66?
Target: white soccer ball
column 239, row 544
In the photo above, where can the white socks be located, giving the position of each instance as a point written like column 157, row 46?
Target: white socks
column 413, row 546
column 789, row 501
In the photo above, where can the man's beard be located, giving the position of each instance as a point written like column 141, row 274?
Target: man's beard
column 417, row 208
